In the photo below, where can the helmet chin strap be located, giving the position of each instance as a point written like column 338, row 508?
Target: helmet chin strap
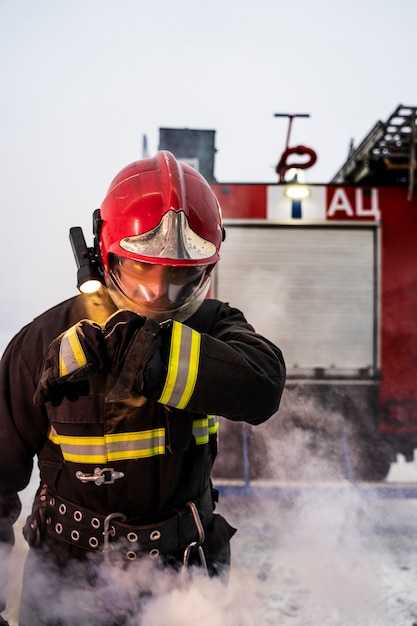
column 180, row 314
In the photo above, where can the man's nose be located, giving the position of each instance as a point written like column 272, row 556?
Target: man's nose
column 156, row 290
column 158, row 287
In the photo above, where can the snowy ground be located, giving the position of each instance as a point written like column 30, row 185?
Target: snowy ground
column 334, row 560
column 336, row 555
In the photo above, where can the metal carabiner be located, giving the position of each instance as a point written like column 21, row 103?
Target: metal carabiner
column 197, row 522
column 107, row 532
column 195, row 546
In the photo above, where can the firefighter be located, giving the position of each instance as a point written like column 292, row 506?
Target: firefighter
column 117, row 393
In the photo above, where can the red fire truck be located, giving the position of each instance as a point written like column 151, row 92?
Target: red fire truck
column 329, row 273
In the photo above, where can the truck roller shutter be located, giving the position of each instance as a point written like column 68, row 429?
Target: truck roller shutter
column 310, row 289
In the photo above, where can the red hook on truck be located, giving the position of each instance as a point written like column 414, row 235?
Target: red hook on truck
column 283, row 166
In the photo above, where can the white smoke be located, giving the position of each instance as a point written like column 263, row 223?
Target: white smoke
column 320, row 552
column 327, row 556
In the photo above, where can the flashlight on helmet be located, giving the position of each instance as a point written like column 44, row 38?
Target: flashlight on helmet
column 89, row 279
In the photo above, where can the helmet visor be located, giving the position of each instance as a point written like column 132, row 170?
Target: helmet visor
column 157, row 287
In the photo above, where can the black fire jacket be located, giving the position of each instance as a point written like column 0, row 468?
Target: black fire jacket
column 216, row 364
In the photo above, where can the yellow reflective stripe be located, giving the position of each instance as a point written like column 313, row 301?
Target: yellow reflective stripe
column 174, row 354
column 114, row 447
column 71, row 354
column 183, row 366
column 192, row 370
column 213, row 424
column 204, row 427
column 53, row 436
column 200, row 431
column 135, row 445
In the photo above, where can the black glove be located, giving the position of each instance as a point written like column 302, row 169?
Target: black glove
column 71, row 358
column 130, row 341
column 121, row 347
column 118, row 332
column 3, row 622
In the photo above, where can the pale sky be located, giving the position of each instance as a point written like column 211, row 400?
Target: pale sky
column 84, row 80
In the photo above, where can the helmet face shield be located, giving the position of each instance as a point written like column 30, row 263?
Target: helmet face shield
column 157, row 291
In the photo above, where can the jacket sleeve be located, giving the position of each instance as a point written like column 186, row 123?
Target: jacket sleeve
column 10, row 508
column 22, row 426
column 229, row 370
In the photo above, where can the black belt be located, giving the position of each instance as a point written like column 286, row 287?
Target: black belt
column 85, row 529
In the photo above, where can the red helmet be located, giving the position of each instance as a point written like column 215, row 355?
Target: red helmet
column 159, row 212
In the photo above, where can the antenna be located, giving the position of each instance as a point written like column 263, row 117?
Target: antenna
column 291, row 117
